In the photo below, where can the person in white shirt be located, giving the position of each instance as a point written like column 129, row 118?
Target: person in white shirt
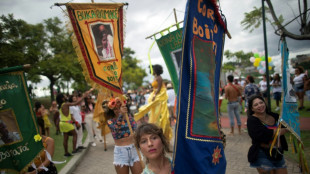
column 263, row 87
column 171, row 100
column 75, row 111
column 299, row 86
column 277, row 89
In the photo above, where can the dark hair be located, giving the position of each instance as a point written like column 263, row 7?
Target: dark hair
column 300, row 68
column 250, row 79
column 60, row 99
column 37, row 106
column 276, row 79
column 87, row 109
column 150, row 128
column 250, row 103
column 230, row 78
column 71, row 98
column 108, row 113
column 157, row 69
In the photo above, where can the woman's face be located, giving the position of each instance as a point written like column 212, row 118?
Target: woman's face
column 297, row 71
column 258, row 106
column 151, row 146
column 74, row 98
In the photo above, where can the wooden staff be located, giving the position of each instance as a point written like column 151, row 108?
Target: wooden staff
column 131, row 132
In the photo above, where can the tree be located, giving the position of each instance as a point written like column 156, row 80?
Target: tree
column 238, row 60
column 132, row 74
column 252, row 20
column 47, row 46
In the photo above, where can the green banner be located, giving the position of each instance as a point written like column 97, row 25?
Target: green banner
column 17, row 124
column 170, row 47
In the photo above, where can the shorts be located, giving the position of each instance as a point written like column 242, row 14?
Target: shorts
column 299, row 87
column 277, row 95
column 265, row 94
column 264, row 163
column 125, row 155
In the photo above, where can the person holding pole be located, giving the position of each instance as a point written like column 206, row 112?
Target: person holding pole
column 125, row 153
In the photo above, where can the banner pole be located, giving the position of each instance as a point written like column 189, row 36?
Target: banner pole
column 131, row 132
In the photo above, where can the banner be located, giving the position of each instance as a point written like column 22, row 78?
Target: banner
column 290, row 115
column 198, row 146
column 98, row 41
column 170, row 47
column 17, row 124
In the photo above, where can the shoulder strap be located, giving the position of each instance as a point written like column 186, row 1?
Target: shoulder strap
column 235, row 88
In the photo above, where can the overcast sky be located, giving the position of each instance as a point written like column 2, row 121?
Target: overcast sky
column 145, row 17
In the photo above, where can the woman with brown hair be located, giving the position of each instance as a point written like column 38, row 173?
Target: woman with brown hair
column 150, row 139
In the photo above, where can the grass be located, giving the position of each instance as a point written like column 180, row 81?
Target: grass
column 59, row 149
column 305, row 137
column 58, row 139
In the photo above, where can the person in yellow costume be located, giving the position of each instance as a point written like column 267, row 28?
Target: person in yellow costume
column 157, row 104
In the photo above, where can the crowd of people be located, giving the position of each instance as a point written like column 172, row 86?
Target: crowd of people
column 149, row 136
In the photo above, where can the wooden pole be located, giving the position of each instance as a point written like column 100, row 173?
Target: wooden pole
column 131, row 133
column 161, row 31
column 175, row 16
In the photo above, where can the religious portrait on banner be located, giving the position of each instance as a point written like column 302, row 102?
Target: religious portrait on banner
column 9, row 131
column 102, row 37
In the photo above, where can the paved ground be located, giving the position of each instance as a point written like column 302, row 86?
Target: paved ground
column 96, row 160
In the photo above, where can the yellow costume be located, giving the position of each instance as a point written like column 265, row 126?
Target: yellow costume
column 158, row 109
column 47, row 122
column 64, row 124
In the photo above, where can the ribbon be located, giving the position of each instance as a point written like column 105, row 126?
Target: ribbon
column 276, row 137
column 49, row 157
column 149, row 56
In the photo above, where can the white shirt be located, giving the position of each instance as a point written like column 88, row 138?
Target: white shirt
column 76, row 113
column 263, row 85
column 299, row 79
column 276, row 88
column 171, row 97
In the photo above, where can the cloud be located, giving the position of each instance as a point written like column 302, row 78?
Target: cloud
column 145, row 17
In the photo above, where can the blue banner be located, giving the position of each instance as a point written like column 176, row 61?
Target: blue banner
column 290, row 115
column 198, row 146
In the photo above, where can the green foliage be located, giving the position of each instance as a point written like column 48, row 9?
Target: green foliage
column 132, row 74
column 252, row 20
column 238, row 60
column 46, row 46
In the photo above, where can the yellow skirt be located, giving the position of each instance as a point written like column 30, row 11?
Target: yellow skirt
column 65, row 127
column 158, row 112
column 47, row 122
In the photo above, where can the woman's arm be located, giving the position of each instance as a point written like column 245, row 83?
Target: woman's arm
column 50, row 149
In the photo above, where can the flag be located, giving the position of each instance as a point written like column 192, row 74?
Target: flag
column 170, row 47
column 18, row 124
column 198, row 145
column 290, row 115
column 98, row 40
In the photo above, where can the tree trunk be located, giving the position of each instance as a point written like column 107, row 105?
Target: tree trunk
column 52, row 83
